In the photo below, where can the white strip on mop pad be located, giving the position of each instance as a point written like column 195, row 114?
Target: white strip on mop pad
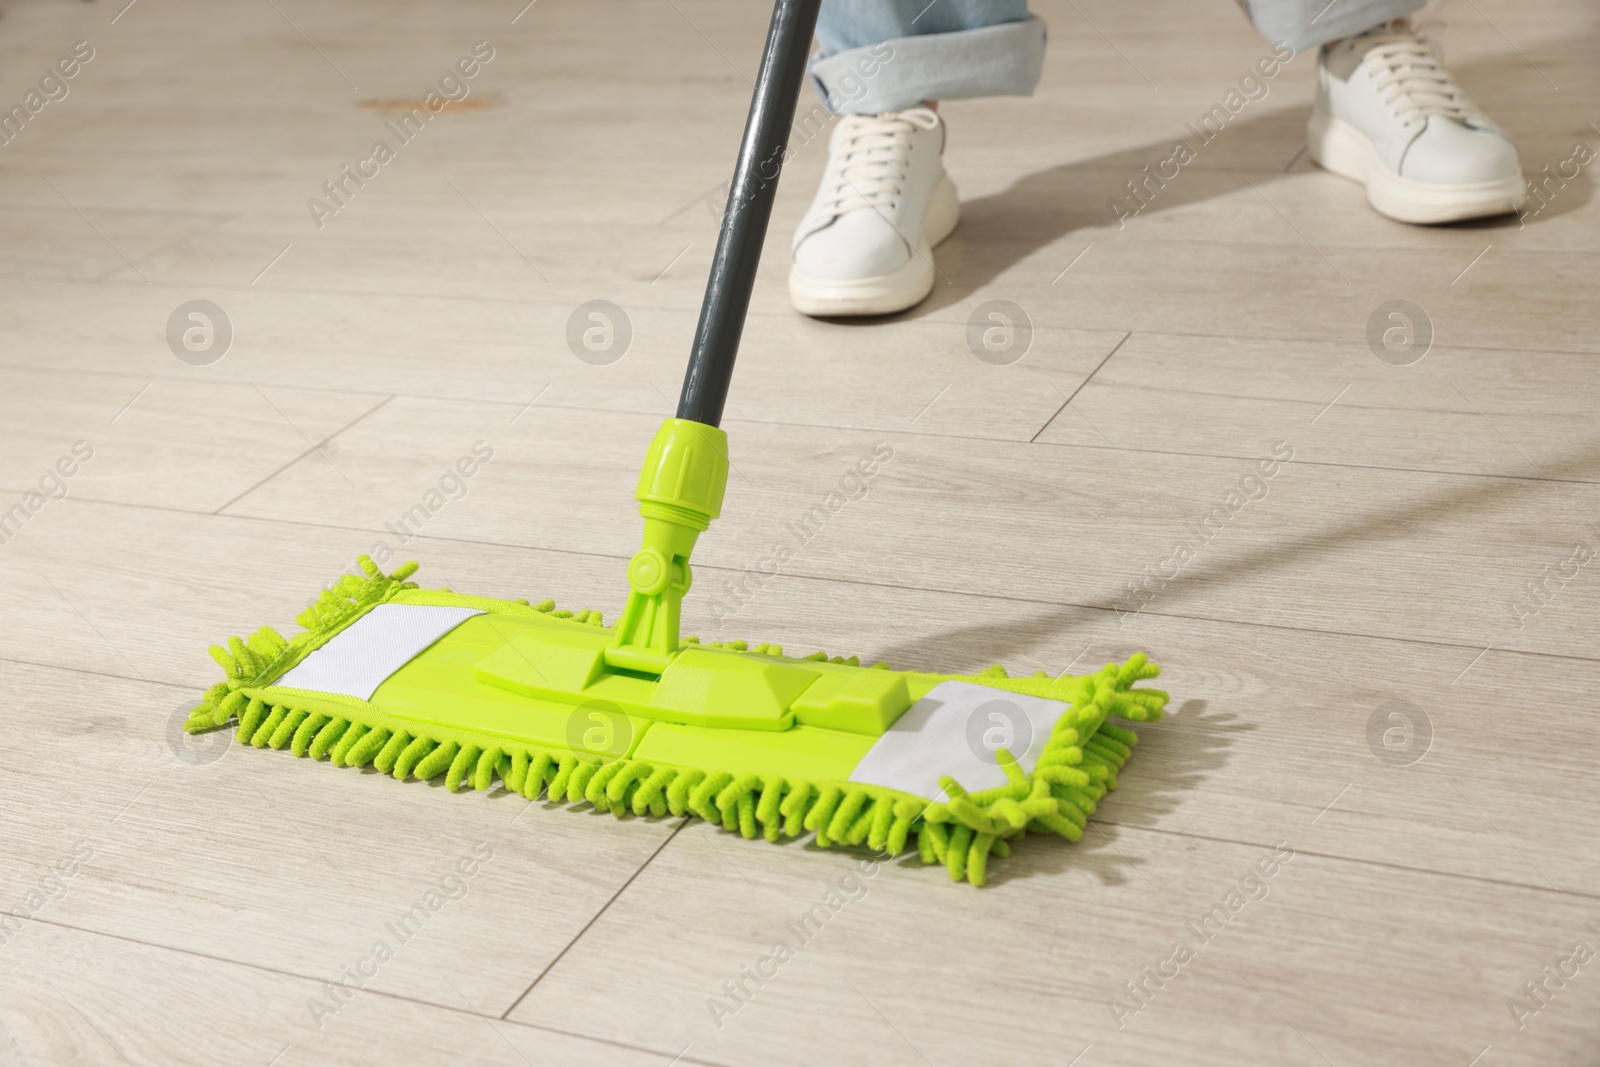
column 954, row 731
column 364, row 654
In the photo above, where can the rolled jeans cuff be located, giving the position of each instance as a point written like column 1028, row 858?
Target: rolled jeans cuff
column 1000, row 60
column 1303, row 24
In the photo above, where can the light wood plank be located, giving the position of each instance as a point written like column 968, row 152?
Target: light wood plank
column 71, row 996
column 173, row 442
column 1345, row 549
column 1465, row 410
column 1024, row 972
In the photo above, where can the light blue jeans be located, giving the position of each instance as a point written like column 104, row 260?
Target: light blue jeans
column 884, row 55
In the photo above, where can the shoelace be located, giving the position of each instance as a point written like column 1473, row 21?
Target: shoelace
column 1415, row 79
column 872, row 159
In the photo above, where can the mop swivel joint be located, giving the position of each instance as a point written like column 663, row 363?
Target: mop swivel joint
column 680, row 491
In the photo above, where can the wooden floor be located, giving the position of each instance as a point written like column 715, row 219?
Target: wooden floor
column 1353, row 682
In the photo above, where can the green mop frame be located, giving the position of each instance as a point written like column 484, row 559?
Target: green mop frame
column 1077, row 767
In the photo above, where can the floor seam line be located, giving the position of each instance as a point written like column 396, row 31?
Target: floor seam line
column 596, row 917
column 315, row 448
column 387, row 994
column 1362, row 861
column 1057, row 413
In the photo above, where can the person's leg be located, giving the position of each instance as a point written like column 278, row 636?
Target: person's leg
column 1389, row 115
column 1303, row 24
column 865, row 247
column 887, row 55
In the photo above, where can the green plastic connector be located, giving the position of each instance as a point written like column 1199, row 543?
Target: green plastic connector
column 680, row 491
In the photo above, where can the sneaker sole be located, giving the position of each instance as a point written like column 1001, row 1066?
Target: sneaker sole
column 883, row 294
column 1340, row 148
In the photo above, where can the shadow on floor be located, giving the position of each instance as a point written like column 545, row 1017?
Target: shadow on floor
column 1169, row 761
column 1012, row 640
column 1003, row 229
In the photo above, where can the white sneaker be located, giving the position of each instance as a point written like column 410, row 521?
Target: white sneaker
column 1389, row 115
column 865, row 246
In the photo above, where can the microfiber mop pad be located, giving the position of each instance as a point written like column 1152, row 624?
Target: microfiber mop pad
column 430, row 683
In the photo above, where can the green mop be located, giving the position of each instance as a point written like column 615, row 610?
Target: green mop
column 423, row 683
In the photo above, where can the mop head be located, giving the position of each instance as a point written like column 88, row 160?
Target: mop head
column 429, row 683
